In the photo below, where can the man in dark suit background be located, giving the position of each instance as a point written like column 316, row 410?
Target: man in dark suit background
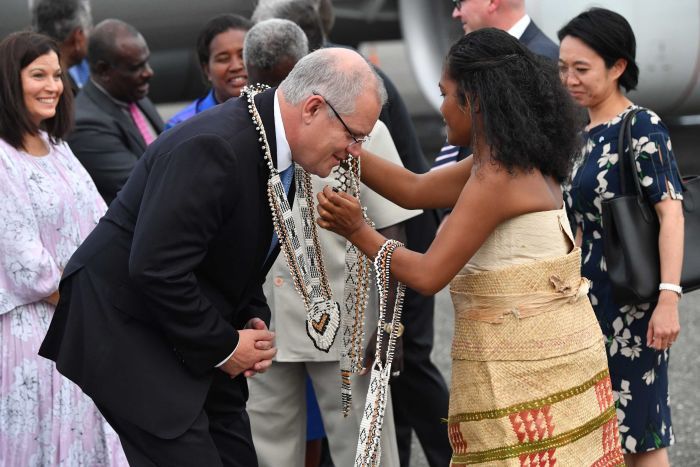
column 154, row 303
column 509, row 16
column 115, row 121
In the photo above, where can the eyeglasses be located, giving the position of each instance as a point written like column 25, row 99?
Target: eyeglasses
column 355, row 140
column 457, row 4
column 565, row 72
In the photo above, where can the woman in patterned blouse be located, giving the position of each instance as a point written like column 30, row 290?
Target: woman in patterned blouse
column 597, row 60
column 48, row 205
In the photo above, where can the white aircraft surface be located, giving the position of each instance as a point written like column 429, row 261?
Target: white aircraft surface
column 668, row 38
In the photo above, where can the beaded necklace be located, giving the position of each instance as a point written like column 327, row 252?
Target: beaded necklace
column 305, row 261
column 368, row 443
column 356, row 292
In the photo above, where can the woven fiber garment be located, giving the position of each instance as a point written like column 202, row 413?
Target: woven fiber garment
column 530, row 384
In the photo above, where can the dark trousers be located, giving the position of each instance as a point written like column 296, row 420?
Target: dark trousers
column 419, row 394
column 219, row 437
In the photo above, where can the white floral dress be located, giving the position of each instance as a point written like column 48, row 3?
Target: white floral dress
column 639, row 373
column 48, row 205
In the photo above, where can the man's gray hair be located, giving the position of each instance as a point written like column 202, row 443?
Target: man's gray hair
column 302, row 12
column 59, row 18
column 323, row 73
column 271, row 41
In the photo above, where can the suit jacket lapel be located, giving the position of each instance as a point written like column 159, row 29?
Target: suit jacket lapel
column 264, row 102
column 530, row 33
column 107, row 105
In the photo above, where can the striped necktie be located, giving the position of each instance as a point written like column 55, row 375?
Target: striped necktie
column 448, row 155
column 141, row 124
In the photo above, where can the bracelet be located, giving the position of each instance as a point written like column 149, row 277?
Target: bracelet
column 672, row 287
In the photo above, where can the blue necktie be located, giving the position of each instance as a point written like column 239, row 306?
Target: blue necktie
column 286, row 176
column 448, row 155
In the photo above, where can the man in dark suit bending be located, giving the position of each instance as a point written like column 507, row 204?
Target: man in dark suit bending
column 114, row 119
column 162, row 312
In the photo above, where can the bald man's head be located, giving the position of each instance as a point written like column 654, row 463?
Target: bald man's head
column 118, row 58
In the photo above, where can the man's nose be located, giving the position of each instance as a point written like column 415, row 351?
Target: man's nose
column 147, row 72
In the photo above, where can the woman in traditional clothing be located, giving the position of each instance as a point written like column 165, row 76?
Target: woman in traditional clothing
column 48, row 205
column 596, row 62
column 529, row 376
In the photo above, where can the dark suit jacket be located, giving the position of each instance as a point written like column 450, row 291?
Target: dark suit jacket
column 105, row 139
column 534, row 39
column 151, row 301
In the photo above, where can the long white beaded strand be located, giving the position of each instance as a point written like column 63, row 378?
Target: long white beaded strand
column 368, row 443
column 356, row 293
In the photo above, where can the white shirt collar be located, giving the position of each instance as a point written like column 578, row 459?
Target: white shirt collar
column 284, row 152
column 518, row 29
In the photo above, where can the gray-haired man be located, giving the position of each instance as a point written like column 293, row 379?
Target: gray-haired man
column 269, row 49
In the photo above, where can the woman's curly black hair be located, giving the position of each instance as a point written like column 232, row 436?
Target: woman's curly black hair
column 529, row 119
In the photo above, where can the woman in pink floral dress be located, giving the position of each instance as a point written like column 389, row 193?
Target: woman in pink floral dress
column 48, row 205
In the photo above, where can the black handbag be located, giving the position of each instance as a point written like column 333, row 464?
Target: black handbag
column 631, row 232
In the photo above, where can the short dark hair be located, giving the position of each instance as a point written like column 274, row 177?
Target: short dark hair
column 216, row 26
column 17, row 51
column 528, row 117
column 611, row 36
column 58, row 18
column 102, row 45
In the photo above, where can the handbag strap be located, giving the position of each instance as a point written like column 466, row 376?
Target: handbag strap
column 627, row 162
column 627, row 158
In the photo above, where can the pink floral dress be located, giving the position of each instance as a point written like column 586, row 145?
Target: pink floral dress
column 48, row 205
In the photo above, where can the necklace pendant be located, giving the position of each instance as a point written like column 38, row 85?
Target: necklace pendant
column 322, row 323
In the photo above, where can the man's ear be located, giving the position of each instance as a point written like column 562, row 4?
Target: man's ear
column 311, row 108
column 101, row 69
column 494, row 5
column 79, row 37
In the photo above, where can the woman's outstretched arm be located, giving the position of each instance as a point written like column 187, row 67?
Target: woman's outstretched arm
column 435, row 189
column 488, row 198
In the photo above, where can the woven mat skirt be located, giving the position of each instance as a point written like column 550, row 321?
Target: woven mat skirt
column 530, row 389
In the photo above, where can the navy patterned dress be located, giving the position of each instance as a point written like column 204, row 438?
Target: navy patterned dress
column 639, row 373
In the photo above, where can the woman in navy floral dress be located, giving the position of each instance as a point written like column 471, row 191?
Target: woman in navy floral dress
column 596, row 58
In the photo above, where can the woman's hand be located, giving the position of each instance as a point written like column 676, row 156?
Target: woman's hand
column 340, row 212
column 664, row 325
